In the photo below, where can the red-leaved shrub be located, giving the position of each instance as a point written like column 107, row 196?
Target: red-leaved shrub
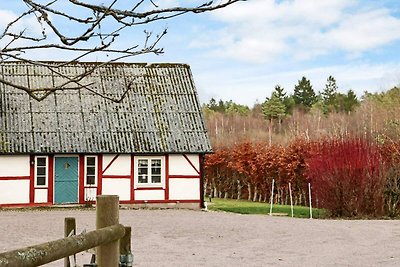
column 347, row 177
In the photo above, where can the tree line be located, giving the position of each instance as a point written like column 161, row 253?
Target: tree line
column 350, row 157
column 280, row 104
column 279, row 119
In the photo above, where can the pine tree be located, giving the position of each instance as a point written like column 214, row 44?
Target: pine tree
column 346, row 102
column 273, row 109
column 329, row 95
column 304, row 95
column 280, row 93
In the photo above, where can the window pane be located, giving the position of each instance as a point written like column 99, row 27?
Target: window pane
column 91, row 161
column 41, row 171
column 90, row 171
column 156, row 179
column 143, row 179
column 41, row 162
column 41, row 180
column 142, row 171
column 90, row 179
column 143, row 163
column 156, row 163
column 156, row 171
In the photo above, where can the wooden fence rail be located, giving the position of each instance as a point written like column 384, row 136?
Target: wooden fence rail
column 104, row 238
column 61, row 248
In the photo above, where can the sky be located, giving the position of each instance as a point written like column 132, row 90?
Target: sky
column 241, row 52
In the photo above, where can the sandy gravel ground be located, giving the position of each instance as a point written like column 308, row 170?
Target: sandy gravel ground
column 196, row 238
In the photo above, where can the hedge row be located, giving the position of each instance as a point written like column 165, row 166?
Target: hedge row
column 349, row 177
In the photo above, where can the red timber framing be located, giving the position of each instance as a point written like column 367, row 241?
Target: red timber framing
column 81, row 183
column 132, row 177
column 15, row 178
column 32, row 178
column 100, row 176
column 166, row 196
column 201, row 164
column 109, row 164
column 191, row 163
column 50, row 188
column 160, row 201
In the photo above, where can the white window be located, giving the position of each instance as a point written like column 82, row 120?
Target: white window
column 90, row 170
column 149, row 171
column 41, row 166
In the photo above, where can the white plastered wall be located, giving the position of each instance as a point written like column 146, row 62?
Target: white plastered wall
column 184, row 189
column 149, row 195
column 90, row 193
column 41, row 195
column 178, row 165
column 120, row 166
column 14, row 191
column 14, row 166
column 120, row 187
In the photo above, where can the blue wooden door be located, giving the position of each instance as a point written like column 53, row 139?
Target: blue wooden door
column 66, row 180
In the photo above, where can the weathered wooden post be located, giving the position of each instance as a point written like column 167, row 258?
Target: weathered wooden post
column 126, row 257
column 69, row 227
column 107, row 214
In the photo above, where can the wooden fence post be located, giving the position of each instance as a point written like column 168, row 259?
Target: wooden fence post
column 69, row 226
column 125, row 242
column 107, row 214
column 126, row 256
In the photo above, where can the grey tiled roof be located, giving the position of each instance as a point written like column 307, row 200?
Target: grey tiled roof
column 160, row 114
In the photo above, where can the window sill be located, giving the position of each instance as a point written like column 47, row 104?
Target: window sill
column 148, row 187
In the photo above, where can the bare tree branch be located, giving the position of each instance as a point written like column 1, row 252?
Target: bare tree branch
column 100, row 26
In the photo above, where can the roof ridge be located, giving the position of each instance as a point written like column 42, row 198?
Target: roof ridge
column 142, row 64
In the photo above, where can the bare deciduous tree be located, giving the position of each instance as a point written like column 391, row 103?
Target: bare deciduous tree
column 100, row 27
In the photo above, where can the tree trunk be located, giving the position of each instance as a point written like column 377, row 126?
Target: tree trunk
column 270, row 132
column 255, row 194
column 249, row 191
column 239, row 189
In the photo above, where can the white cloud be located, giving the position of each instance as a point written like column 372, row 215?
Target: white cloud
column 5, row 17
column 366, row 30
column 260, row 30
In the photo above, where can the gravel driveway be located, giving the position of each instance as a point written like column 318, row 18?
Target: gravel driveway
column 197, row 238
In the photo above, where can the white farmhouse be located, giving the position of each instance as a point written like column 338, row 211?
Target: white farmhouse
column 75, row 144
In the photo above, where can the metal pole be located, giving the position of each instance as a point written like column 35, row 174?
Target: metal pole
column 272, row 197
column 69, row 230
column 291, row 198
column 107, row 214
column 309, row 199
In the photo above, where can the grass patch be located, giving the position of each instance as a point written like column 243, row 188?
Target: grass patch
column 249, row 207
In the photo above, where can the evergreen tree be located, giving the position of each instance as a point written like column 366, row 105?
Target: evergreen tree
column 304, row 95
column 346, row 102
column 212, row 105
column 351, row 101
column 273, row 108
column 280, row 93
column 328, row 95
